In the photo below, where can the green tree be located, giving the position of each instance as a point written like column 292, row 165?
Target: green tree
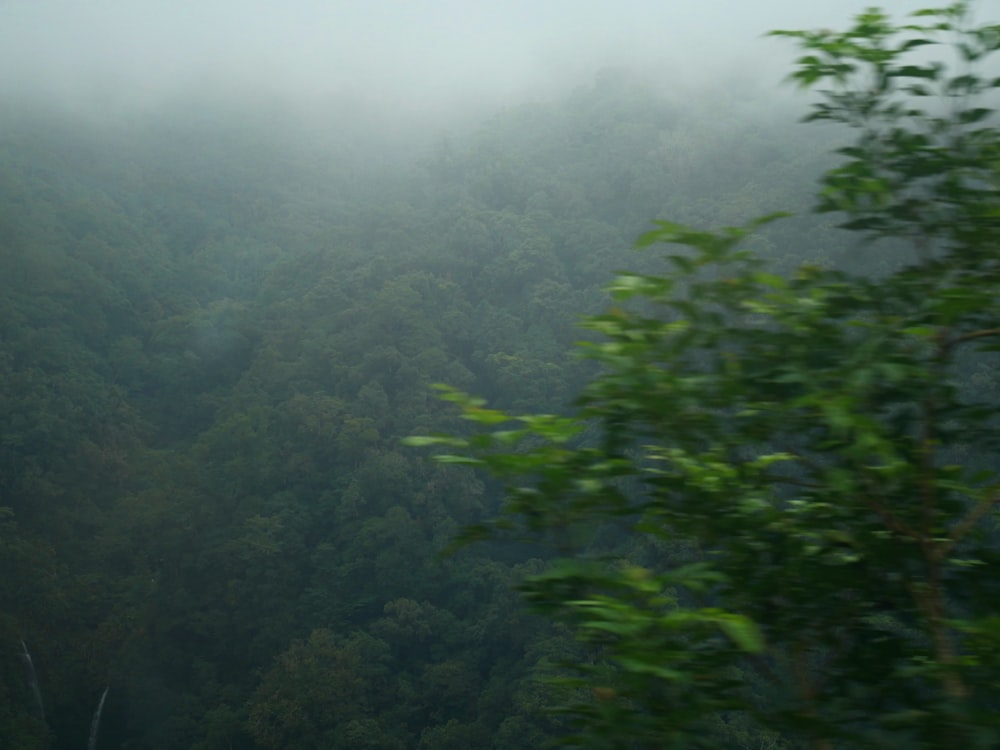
column 775, row 505
column 317, row 687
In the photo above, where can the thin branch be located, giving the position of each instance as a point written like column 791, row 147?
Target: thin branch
column 892, row 522
column 926, row 453
column 947, row 346
column 929, row 598
column 962, row 528
column 977, row 335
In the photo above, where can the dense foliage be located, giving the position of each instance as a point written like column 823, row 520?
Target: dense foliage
column 216, row 327
column 778, row 497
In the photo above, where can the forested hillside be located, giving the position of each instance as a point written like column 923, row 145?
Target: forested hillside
column 215, row 330
column 773, row 510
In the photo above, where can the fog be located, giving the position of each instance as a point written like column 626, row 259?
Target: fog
column 421, row 59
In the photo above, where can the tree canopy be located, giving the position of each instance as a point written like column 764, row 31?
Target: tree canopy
column 774, row 507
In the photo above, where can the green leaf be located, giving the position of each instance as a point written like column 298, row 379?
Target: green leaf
column 976, row 114
column 742, row 631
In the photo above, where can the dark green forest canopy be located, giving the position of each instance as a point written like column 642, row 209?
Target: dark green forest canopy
column 215, row 330
column 775, row 505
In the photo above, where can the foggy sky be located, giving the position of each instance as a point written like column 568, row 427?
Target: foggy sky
column 416, row 54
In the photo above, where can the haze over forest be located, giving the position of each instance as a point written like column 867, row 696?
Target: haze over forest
column 431, row 60
column 239, row 240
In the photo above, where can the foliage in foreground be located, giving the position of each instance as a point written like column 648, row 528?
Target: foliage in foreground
column 213, row 334
column 775, row 505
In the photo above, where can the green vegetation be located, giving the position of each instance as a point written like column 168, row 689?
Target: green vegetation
column 765, row 522
column 775, row 505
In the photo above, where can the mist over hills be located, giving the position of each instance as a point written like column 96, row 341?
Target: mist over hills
column 426, row 61
column 238, row 243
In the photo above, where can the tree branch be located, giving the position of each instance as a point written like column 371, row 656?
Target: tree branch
column 962, row 528
column 947, row 346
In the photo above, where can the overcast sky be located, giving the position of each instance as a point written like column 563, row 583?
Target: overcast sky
column 123, row 52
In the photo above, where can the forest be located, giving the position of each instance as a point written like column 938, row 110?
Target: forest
column 219, row 329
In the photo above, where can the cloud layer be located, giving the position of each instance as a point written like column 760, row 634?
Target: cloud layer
column 116, row 53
